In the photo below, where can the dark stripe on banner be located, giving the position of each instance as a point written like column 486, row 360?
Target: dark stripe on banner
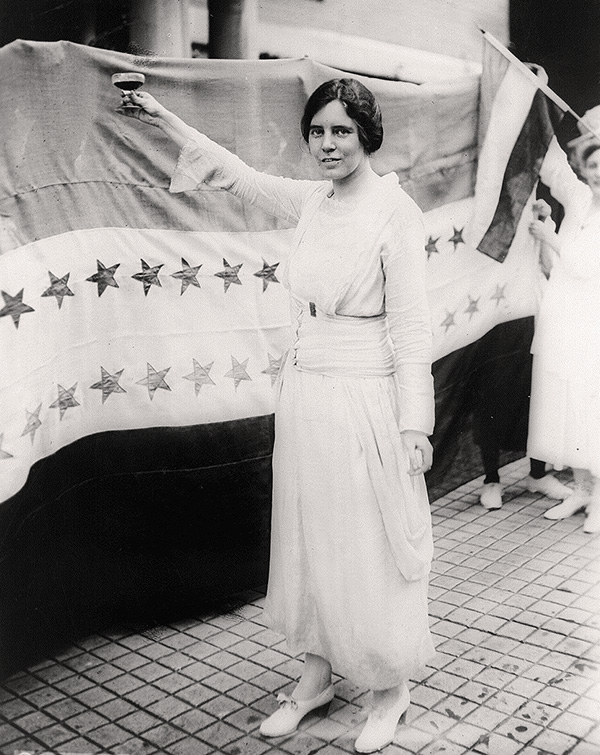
column 520, row 176
column 132, row 526
column 482, row 400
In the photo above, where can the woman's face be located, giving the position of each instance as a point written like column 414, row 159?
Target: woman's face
column 333, row 142
column 591, row 172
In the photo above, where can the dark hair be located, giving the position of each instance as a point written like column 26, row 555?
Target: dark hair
column 588, row 151
column 360, row 105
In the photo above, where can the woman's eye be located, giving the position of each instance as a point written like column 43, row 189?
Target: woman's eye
column 341, row 132
column 315, row 132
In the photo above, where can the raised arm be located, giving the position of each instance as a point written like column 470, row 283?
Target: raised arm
column 148, row 110
column 558, row 175
column 203, row 161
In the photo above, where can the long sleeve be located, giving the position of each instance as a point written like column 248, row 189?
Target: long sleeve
column 202, row 161
column 558, row 175
column 407, row 309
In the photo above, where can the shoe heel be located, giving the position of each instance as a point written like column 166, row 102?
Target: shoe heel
column 323, row 710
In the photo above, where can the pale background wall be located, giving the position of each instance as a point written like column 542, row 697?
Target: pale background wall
column 442, row 26
column 448, row 27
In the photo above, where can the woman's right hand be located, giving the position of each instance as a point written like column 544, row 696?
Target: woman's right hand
column 543, row 230
column 146, row 107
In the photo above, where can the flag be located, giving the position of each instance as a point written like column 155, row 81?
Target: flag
column 517, row 122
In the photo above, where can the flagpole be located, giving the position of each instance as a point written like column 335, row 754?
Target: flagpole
column 551, row 94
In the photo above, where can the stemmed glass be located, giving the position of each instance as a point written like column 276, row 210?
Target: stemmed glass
column 128, row 82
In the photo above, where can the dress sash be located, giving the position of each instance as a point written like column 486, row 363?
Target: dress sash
column 341, row 346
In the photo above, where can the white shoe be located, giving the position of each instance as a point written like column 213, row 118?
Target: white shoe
column 549, row 486
column 577, row 501
column 592, row 520
column 491, row 495
column 380, row 729
column 286, row 718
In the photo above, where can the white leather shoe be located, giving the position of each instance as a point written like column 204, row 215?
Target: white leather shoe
column 491, row 495
column 380, row 729
column 549, row 486
column 592, row 520
column 286, row 718
column 577, row 501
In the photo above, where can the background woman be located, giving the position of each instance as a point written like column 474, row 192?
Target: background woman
column 564, row 425
column 351, row 537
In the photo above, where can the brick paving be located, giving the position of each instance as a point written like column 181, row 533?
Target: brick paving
column 515, row 613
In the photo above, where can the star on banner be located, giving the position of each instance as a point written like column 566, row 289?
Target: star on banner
column 273, row 368
column 104, row 277
column 472, row 308
column 148, row 276
column 267, row 274
column 498, row 294
column 154, row 380
column 13, row 306
column 200, row 376
column 229, row 275
column 4, row 454
column 33, row 423
column 187, row 275
column 430, row 246
column 457, row 237
column 66, row 399
column 238, row 371
column 448, row 321
column 108, row 383
column 58, row 288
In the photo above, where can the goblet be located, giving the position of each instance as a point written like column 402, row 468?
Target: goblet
column 128, row 82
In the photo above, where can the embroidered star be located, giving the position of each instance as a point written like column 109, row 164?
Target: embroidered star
column 187, row 275
column 200, row 376
column 33, row 423
column 449, row 320
column 4, row 454
column 457, row 237
column 267, row 274
column 229, row 275
column 104, row 277
column 148, row 276
column 108, row 383
column 238, row 371
column 58, row 288
column 273, row 368
column 498, row 295
column 13, row 306
column 472, row 308
column 154, row 380
column 430, row 246
column 65, row 400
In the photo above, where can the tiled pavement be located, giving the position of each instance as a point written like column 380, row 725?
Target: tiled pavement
column 515, row 612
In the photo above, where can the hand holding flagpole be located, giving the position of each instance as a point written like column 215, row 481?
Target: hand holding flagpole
column 541, row 211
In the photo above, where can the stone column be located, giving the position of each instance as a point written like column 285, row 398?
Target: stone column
column 161, row 27
column 231, row 28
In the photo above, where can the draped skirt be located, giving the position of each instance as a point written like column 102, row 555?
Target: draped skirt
column 351, row 541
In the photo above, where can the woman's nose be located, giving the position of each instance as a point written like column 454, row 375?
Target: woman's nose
column 328, row 144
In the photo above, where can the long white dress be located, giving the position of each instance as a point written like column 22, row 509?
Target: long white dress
column 351, row 542
column 564, row 423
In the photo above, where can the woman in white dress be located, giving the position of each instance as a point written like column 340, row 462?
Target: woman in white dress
column 351, row 538
column 564, row 424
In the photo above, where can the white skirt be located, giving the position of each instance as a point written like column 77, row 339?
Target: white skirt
column 351, row 541
column 564, row 417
